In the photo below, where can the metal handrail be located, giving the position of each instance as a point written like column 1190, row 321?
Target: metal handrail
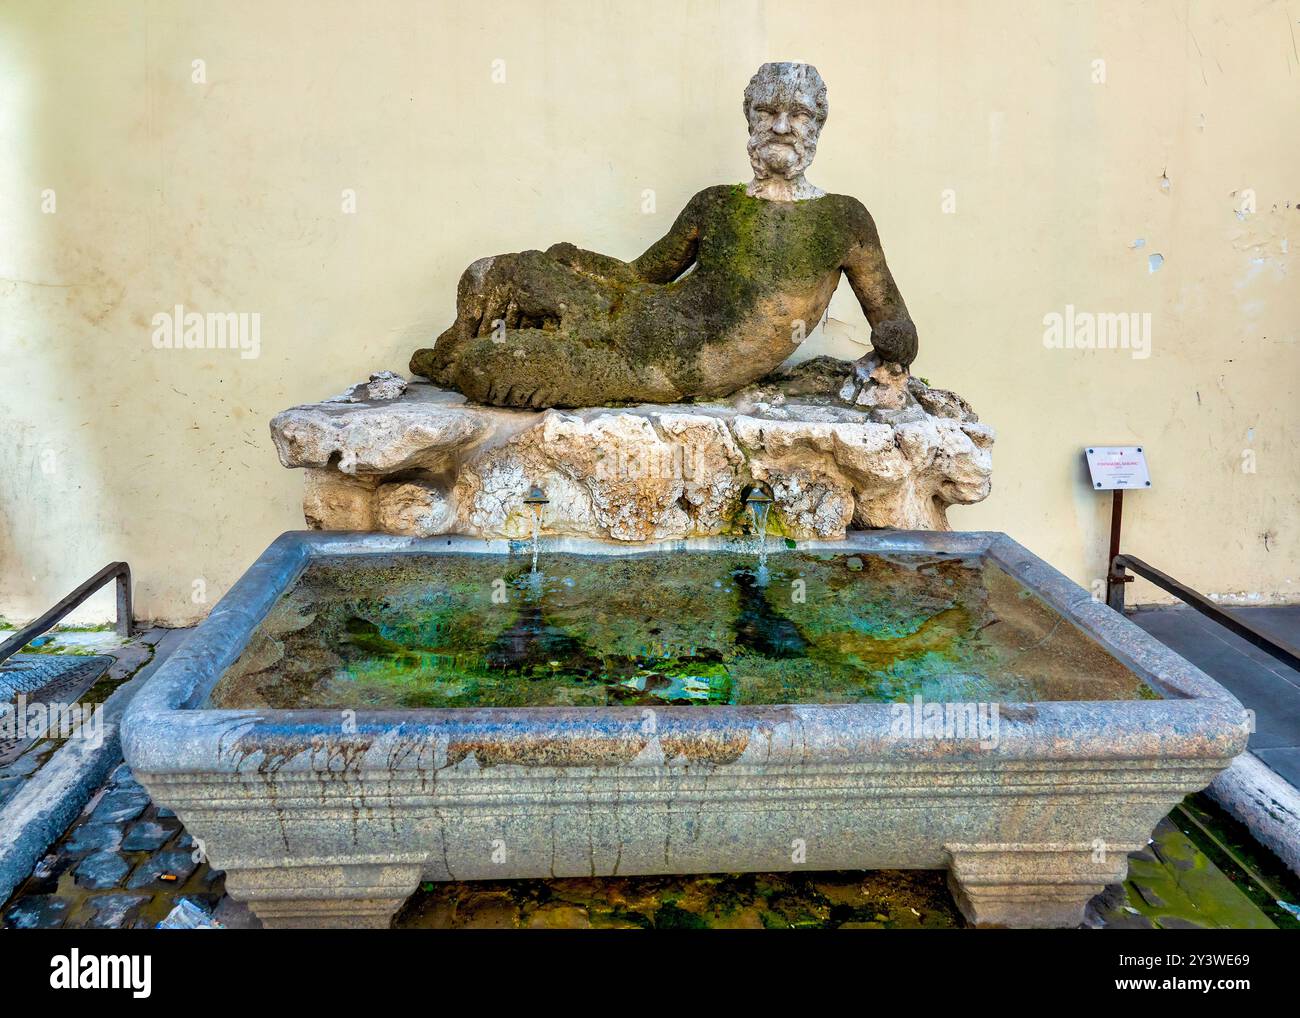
column 119, row 571
column 1279, row 649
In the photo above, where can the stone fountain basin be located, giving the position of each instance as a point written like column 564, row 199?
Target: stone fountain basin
column 333, row 818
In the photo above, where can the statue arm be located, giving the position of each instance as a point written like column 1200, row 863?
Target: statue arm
column 671, row 255
column 893, row 335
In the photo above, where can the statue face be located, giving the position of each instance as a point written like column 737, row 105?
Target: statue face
column 782, row 138
column 785, row 105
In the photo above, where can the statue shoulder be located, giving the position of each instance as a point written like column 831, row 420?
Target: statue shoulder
column 704, row 205
column 852, row 210
column 855, row 214
column 718, row 194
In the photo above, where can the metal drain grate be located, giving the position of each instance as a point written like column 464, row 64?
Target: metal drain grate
column 44, row 678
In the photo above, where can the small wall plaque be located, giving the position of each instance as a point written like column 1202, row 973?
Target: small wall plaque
column 1117, row 466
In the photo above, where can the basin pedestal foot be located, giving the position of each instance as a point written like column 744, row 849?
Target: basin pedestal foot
column 297, row 895
column 1028, row 886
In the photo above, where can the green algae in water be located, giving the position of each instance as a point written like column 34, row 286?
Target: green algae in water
column 880, row 899
column 698, row 629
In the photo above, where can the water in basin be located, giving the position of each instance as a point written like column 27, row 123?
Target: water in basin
column 471, row 630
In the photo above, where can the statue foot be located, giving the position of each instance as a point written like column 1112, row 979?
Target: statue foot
column 522, row 397
column 425, row 364
column 439, row 363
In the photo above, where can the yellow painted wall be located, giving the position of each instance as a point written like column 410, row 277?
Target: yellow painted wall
column 226, row 196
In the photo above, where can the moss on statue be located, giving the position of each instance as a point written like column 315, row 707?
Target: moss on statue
column 568, row 327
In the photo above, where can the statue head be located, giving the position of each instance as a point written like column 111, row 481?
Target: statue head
column 785, row 104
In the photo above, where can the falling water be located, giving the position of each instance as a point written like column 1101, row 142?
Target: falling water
column 758, row 513
column 536, row 501
column 537, row 530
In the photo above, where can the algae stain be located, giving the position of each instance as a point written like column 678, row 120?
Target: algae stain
column 422, row 631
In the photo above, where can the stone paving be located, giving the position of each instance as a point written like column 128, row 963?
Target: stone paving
column 13, row 774
column 123, row 864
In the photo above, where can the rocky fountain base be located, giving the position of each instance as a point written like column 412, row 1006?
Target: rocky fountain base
column 838, row 450
column 362, row 713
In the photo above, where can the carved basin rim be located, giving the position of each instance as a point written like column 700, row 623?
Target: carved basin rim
column 168, row 730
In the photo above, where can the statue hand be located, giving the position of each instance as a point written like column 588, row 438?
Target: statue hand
column 895, row 340
column 872, row 369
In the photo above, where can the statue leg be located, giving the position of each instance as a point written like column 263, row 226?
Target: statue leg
column 529, row 291
column 537, row 369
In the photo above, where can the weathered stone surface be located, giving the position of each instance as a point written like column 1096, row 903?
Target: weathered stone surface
column 381, row 385
column 101, row 870
column 115, row 911
column 95, row 837
column 333, row 500
column 37, row 912
column 173, row 867
column 1262, row 800
column 121, row 805
column 431, row 463
column 410, row 507
column 375, row 437
column 148, row 836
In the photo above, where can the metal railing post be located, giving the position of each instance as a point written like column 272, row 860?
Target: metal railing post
column 1280, row 649
column 124, row 606
column 1115, row 583
column 114, row 570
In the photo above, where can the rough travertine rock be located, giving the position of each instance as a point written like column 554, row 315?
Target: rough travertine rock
column 430, row 463
column 412, row 507
column 336, row 501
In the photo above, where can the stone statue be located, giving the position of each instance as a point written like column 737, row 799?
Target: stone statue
column 743, row 275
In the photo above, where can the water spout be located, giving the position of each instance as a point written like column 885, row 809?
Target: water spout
column 537, row 501
column 758, row 499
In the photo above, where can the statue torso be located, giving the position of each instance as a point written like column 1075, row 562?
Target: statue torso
column 764, row 275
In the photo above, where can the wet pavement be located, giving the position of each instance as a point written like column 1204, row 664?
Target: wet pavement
column 880, row 899
column 1260, row 681
column 125, row 863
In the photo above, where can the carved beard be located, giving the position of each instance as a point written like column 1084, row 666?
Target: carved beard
column 788, row 155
